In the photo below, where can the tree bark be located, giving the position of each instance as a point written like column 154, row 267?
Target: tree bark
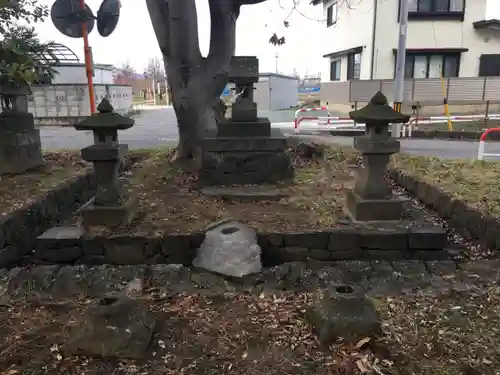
column 196, row 82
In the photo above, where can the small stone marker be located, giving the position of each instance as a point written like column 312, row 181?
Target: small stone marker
column 113, row 326
column 340, row 312
column 110, row 207
column 372, row 198
column 230, row 249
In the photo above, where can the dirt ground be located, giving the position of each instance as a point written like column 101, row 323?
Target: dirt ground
column 452, row 334
column 474, row 182
column 17, row 191
column 169, row 201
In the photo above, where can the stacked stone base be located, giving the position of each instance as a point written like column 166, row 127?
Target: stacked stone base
column 246, row 160
column 20, row 144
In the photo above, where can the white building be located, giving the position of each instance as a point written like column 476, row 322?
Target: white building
column 75, row 73
column 449, row 38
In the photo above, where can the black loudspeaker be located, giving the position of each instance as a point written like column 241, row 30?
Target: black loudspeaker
column 107, row 17
column 67, row 16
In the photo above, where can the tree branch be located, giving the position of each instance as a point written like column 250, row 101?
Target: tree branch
column 184, row 28
column 223, row 16
column 160, row 18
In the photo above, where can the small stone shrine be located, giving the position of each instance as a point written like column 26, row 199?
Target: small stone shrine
column 110, row 208
column 245, row 150
column 20, row 144
column 372, row 198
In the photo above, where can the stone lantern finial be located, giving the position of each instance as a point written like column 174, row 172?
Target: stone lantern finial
column 105, row 106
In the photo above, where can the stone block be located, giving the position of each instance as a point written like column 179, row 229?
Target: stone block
column 130, row 250
column 244, row 69
column 313, row 240
column 244, row 128
column 109, row 216
column 374, row 210
column 9, row 256
column 426, row 238
column 389, row 255
column 343, row 238
column 277, row 142
column 59, row 254
column 16, row 122
column 247, row 194
column 20, row 150
column 383, row 236
column 104, row 152
column 241, row 168
column 431, row 255
column 60, row 237
column 340, row 312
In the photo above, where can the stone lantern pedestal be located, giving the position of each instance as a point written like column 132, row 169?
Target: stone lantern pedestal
column 245, row 150
column 372, row 198
column 110, row 208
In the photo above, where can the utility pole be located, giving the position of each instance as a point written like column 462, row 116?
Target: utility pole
column 276, row 57
column 400, row 63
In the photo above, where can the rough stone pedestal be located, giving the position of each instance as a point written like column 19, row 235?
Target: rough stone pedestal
column 20, row 144
column 261, row 127
column 245, row 160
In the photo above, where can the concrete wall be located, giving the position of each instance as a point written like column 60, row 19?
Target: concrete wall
column 75, row 74
column 67, row 104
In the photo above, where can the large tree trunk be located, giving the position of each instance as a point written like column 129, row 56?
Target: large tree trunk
column 196, row 82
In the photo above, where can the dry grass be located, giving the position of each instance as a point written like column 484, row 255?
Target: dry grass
column 20, row 190
column 475, row 183
column 170, row 203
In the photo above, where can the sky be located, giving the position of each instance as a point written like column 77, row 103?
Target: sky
column 134, row 39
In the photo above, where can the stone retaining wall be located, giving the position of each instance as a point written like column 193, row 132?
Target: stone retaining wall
column 376, row 278
column 465, row 219
column 19, row 230
column 69, row 245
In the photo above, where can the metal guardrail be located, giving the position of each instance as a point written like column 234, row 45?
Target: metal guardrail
column 464, row 90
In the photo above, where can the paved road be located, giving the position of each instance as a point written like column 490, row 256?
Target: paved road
column 154, row 127
column 157, row 126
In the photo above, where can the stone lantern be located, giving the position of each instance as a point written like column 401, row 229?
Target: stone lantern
column 110, row 207
column 372, row 198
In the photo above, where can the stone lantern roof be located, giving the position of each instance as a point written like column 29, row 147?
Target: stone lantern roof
column 378, row 111
column 105, row 120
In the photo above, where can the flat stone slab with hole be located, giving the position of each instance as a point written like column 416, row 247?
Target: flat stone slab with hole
column 230, row 248
column 246, row 194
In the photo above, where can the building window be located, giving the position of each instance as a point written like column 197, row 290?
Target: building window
column 432, row 9
column 335, row 70
column 489, row 65
column 332, row 14
column 432, row 65
column 353, row 65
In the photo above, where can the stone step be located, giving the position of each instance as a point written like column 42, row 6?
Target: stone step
column 243, row 193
